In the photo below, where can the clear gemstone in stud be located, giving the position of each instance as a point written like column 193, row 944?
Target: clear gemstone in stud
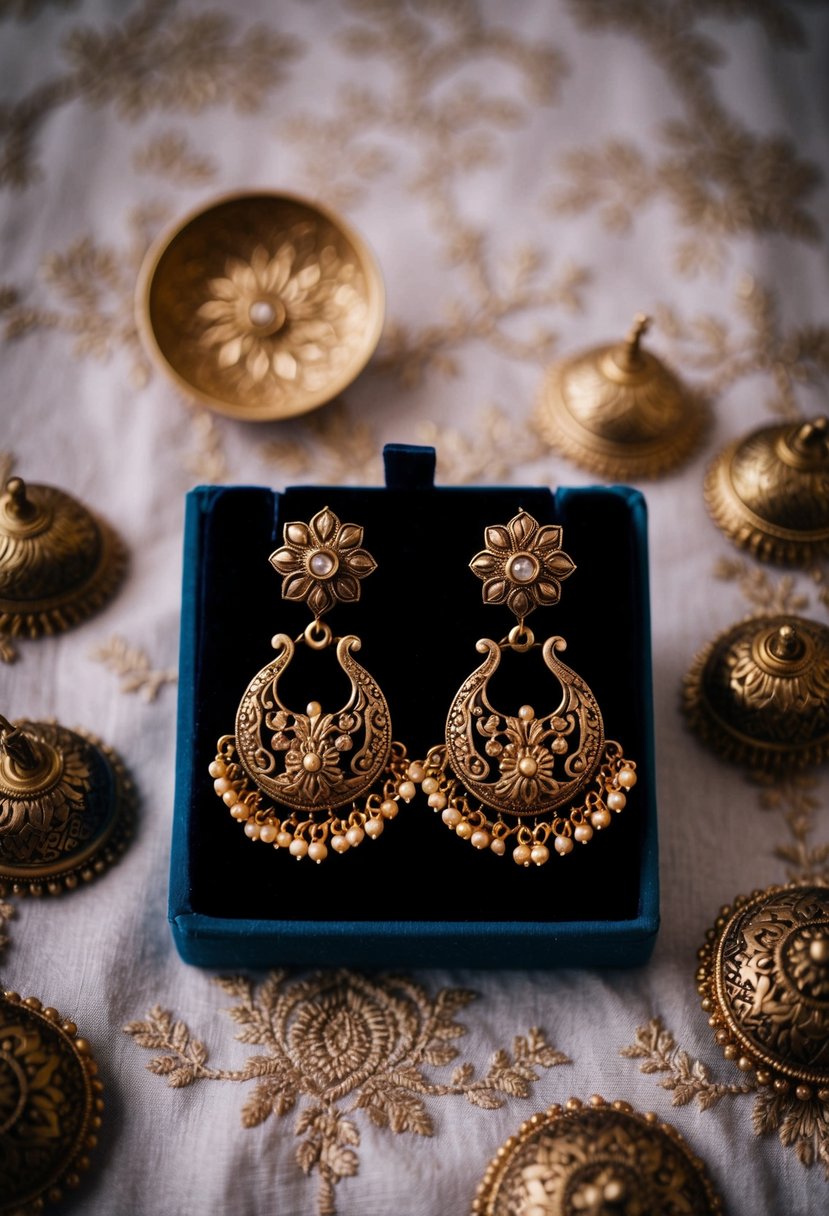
column 321, row 564
column 522, row 569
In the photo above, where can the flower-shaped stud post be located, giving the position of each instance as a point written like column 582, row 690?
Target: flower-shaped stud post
column 322, row 562
column 523, row 564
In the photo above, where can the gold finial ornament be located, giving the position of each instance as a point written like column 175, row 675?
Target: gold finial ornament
column 764, row 982
column 618, row 411
column 595, row 1158
column 66, row 807
column 59, row 563
column 313, row 781
column 524, row 778
column 261, row 306
column 769, row 492
column 50, row 1105
column 759, row 693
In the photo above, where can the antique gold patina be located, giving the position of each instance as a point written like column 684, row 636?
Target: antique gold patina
column 618, row 411
column 58, row 562
column 66, row 808
column 759, row 693
column 261, row 306
column 599, row 1158
column 769, row 492
column 764, row 982
column 50, row 1105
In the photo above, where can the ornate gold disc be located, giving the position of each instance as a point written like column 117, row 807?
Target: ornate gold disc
column 597, row 1158
column 50, row 1105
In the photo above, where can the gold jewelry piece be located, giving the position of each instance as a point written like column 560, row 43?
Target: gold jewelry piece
column 537, row 770
column 50, row 1105
column 286, row 774
column 593, row 1159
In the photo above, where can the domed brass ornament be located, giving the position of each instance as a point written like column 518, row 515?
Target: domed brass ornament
column 618, row 411
column 598, row 1158
column 764, row 982
column 759, row 693
column 261, row 306
column 66, row 808
column 769, row 492
column 50, row 1105
column 59, row 563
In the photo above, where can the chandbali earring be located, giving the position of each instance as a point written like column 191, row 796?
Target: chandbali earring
column 289, row 776
column 552, row 775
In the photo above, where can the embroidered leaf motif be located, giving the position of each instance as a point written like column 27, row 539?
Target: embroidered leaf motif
column 133, row 666
column 687, row 1079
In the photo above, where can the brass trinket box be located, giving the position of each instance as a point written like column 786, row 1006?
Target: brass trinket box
column 618, row 411
column 595, row 1157
column 59, row 563
column 50, row 1105
column 261, row 306
column 769, row 492
column 759, row 693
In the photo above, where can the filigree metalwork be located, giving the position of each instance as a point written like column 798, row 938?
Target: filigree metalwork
column 524, row 765
column 338, row 1043
column 50, row 1104
column 286, row 773
column 589, row 1159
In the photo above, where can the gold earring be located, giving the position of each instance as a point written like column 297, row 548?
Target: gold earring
column 550, row 775
column 287, row 776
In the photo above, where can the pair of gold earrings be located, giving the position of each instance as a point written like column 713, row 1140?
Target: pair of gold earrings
column 320, row 781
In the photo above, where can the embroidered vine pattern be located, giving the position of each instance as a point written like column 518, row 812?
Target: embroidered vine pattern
column 767, row 595
column 153, row 60
column 336, row 1044
column 332, row 444
column 171, row 156
column 495, row 448
column 133, row 667
column 721, row 178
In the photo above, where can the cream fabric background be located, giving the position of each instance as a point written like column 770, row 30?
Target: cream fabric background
column 522, row 177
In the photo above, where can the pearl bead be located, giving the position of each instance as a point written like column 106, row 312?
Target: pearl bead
column 355, row 836
column 563, row 845
column 522, row 569
column 415, row 771
column 430, row 785
column 313, row 709
column 268, row 833
column 526, row 713
column 559, row 746
column 221, row 785
column 437, row 801
column 217, row 768
column 389, row 808
column 527, row 766
column 407, row 790
column 600, row 819
column 522, row 854
column 321, row 564
column 374, row 828
column 229, row 797
column 240, row 811
column 463, row 830
column 317, row 851
column 252, row 829
column 627, row 778
column 339, row 844
column 540, row 853
column 298, row 847
column 261, row 312
column 498, row 847
column 451, row 817
column 311, row 762
column 283, row 839
column 480, row 839
column 583, row 833
column 616, row 800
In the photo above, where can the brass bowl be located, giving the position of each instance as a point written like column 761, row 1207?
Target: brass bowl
column 261, row 306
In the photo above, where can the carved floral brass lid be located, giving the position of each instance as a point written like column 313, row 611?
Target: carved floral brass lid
column 59, row 563
column 50, row 1105
column 759, row 693
column 618, row 411
column 262, row 306
column 764, row 982
column 769, row 492
column 66, row 807
column 595, row 1159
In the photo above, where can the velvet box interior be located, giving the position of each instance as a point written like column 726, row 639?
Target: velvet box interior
column 418, row 895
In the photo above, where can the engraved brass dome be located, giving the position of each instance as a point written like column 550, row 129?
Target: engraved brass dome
column 759, row 693
column 58, row 562
column 618, row 411
column 261, row 306
column 50, row 1105
column 764, row 981
column 66, row 807
column 769, row 492
column 597, row 1158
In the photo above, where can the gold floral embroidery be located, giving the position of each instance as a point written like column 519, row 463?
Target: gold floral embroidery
column 133, row 666
column 337, row 1043
column 722, row 179
column 154, row 60
column 496, row 447
column 333, row 445
column 170, row 155
column 208, row 463
column 767, row 596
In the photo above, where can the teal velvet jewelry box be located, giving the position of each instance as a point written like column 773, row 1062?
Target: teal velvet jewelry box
column 418, row 896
